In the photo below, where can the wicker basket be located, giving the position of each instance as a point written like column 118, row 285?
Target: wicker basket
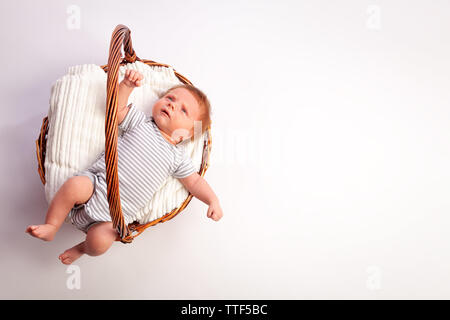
column 126, row 233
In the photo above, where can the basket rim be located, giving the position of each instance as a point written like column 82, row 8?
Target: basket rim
column 41, row 144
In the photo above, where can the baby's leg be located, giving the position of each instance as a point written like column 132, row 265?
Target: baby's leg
column 99, row 239
column 75, row 190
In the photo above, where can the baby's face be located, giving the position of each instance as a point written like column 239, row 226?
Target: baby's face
column 175, row 113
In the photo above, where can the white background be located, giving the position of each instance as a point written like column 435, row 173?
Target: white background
column 330, row 149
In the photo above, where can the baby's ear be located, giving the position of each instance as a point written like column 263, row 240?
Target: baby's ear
column 180, row 135
column 188, row 137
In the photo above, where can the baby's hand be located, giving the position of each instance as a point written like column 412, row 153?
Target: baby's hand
column 132, row 78
column 215, row 211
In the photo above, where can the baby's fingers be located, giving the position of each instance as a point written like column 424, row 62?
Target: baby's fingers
column 129, row 74
column 136, row 76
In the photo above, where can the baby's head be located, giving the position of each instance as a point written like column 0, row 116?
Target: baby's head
column 178, row 108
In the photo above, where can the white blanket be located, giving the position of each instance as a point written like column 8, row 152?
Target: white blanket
column 76, row 134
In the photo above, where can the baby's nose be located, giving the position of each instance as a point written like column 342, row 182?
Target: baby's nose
column 172, row 106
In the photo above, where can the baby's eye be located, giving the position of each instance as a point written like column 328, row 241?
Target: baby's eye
column 184, row 110
column 170, row 98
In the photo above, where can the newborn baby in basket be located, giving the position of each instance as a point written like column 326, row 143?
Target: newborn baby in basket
column 149, row 151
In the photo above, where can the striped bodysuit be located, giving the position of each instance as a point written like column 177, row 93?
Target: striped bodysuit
column 145, row 160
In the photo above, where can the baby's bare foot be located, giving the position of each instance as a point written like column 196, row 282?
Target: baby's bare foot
column 45, row 232
column 72, row 254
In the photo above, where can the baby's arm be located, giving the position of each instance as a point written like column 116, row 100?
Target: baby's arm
column 131, row 80
column 200, row 189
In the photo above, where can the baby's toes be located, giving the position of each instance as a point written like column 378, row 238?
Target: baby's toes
column 37, row 232
column 63, row 255
column 30, row 229
column 67, row 261
column 65, row 258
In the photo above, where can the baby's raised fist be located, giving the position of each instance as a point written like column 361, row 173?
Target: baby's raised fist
column 132, row 78
column 215, row 211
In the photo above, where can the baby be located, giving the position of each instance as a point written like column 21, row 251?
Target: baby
column 148, row 152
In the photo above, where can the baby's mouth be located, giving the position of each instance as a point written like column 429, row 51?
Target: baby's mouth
column 166, row 113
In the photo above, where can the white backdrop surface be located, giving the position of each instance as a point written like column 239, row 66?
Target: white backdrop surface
column 330, row 149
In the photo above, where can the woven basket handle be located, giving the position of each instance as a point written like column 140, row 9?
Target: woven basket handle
column 121, row 35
